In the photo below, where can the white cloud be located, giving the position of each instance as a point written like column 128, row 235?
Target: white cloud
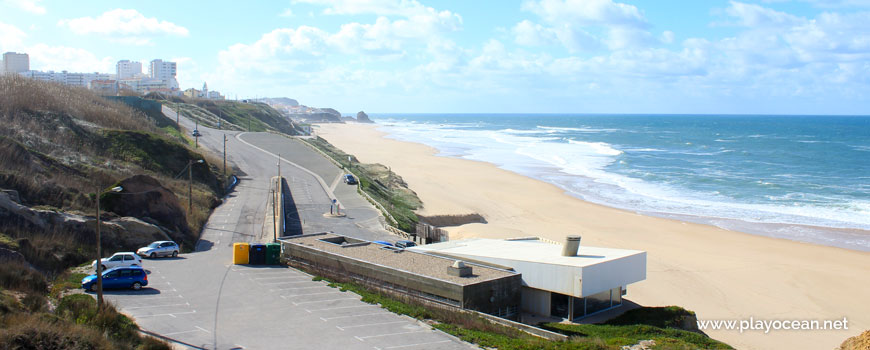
column 584, row 25
column 31, row 6
column 286, row 13
column 11, row 37
column 751, row 15
column 125, row 26
column 587, row 12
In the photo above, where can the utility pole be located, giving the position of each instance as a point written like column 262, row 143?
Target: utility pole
column 189, row 187
column 225, row 156
column 99, row 258
column 279, row 165
column 196, row 137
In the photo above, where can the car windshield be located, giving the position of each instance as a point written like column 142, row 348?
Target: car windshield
column 153, row 245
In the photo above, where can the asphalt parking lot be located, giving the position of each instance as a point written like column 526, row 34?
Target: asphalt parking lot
column 261, row 307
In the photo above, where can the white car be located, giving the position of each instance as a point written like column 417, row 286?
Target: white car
column 119, row 259
column 159, row 248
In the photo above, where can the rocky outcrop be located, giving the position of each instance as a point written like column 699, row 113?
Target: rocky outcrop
column 334, row 112
column 362, row 117
column 116, row 232
column 858, row 342
column 145, row 198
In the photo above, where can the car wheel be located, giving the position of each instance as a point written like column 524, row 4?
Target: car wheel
column 137, row 286
column 94, row 288
column 152, row 256
column 175, row 254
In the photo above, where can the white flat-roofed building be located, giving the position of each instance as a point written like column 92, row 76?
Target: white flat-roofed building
column 590, row 280
column 15, row 62
column 126, row 69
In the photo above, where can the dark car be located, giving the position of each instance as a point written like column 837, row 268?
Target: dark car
column 196, row 133
column 118, row 278
column 405, row 244
column 350, row 180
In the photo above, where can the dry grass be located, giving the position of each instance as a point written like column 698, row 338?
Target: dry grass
column 21, row 94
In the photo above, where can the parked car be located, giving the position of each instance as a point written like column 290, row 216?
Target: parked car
column 405, row 244
column 118, row 277
column 383, row 243
column 118, row 260
column 159, row 248
column 196, row 133
column 349, row 179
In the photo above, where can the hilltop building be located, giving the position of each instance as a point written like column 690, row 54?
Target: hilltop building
column 15, row 63
column 164, row 71
column 126, row 69
column 66, row 78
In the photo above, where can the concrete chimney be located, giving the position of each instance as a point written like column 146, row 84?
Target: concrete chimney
column 459, row 269
column 572, row 244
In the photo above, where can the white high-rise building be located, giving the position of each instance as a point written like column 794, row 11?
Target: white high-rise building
column 15, row 62
column 163, row 70
column 127, row 69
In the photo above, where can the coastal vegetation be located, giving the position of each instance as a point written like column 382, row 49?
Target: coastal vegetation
column 230, row 115
column 380, row 183
column 666, row 326
column 61, row 149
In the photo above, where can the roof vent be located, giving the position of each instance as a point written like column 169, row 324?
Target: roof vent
column 572, row 244
column 459, row 269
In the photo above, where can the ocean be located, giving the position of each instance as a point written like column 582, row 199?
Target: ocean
column 805, row 178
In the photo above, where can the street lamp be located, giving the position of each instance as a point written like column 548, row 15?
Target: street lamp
column 100, row 250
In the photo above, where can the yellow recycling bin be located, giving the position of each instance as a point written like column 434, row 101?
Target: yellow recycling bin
column 240, row 253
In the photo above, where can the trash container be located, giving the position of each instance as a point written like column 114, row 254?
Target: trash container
column 240, row 253
column 257, row 254
column 273, row 253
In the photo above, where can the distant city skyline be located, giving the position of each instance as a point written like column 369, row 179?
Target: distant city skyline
column 525, row 56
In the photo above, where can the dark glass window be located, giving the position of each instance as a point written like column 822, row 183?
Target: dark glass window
column 578, row 308
column 558, row 305
column 598, row 302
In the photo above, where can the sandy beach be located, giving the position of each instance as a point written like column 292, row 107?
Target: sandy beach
column 720, row 274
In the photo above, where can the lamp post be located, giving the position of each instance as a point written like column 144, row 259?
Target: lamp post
column 190, row 184
column 225, row 157
column 100, row 251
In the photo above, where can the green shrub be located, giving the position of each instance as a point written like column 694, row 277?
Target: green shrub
column 21, row 277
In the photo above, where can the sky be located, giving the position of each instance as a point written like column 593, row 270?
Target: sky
column 501, row 56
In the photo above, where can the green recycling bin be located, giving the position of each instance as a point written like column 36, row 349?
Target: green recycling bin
column 273, row 253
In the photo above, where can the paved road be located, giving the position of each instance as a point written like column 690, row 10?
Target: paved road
column 200, row 300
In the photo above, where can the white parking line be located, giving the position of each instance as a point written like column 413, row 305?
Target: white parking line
column 387, row 334
column 284, row 282
column 321, row 301
column 182, row 332
column 341, row 307
column 294, row 288
column 274, row 278
column 151, row 306
column 370, row 324
column 170, row 314
column 417, row 344
column 203, row 329
column 137, row 298
column 300, row 295
column 349, row 316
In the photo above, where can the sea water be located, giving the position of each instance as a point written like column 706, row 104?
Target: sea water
column 804, row 178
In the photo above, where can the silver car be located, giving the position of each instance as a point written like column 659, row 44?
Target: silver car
column 159, row 248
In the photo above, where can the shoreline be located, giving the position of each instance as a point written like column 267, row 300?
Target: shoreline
column 719, row 274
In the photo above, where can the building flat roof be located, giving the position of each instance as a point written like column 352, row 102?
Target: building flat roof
column 405, row 260
column 530, row 250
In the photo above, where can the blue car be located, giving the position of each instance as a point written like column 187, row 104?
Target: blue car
column 383, row 243
column 119, row 277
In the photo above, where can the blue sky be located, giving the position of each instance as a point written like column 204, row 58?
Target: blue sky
column 548, row 56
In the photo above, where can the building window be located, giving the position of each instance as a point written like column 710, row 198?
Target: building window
column 598, row 302
column 558, row 305
column 579, row 308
